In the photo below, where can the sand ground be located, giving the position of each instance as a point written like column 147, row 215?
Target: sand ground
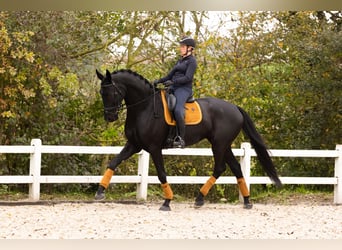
column 112, row 220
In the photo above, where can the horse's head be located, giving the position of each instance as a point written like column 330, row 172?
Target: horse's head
column 111, row 96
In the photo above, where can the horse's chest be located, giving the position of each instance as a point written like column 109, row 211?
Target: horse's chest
column 133, row 132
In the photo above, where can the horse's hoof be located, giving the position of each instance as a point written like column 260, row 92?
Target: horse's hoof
column 165, row 208
column 247, row 206
column 99, row 196
column 199, row 203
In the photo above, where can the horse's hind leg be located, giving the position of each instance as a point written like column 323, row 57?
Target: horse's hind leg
column 219, row 168
column 236, row 169
column 199, row 201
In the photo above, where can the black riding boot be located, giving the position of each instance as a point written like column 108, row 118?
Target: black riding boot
column 179, row 140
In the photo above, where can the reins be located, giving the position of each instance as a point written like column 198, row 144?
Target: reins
column 121, row 106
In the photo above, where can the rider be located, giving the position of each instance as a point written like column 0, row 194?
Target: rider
column 181, row 78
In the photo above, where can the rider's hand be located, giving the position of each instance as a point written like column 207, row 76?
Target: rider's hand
column 155, row 83
column 168, row 83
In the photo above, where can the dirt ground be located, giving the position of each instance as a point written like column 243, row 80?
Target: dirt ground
column 293, row 217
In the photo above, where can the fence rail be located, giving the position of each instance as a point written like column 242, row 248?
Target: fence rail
column 142, row 179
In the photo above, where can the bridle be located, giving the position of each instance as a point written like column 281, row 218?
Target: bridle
column 121, row 106
column 114, row 109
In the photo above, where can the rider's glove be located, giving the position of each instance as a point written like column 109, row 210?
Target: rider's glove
column 155, row 83
column 168, row 83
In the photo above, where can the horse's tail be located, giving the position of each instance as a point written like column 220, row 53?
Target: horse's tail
column 260, row 148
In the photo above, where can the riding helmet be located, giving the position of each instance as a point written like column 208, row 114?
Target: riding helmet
column 188, row 41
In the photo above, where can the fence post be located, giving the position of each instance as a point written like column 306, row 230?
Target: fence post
column 35, row 165
column 143, row 166
column 245, row 162
column 338, row 175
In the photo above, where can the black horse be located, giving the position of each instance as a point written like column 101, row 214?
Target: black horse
column 146, row 129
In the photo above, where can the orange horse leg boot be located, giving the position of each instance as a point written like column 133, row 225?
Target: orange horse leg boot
column 106, row 178
column 208, row 185
column 243, row 187
column 168, row 194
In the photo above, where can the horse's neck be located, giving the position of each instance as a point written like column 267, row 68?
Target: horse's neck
column 136, row 90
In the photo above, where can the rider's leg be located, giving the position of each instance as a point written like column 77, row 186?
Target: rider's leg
column 182, row 94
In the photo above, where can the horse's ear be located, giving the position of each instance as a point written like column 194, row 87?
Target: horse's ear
column 108, row 75
column 99, row 75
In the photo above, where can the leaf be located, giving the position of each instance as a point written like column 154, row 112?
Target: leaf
column 8, row 114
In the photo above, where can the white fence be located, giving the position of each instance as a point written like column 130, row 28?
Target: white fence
column 36, row 149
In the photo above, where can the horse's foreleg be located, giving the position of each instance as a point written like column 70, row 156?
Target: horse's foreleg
column 167, row 191
column 125, row 153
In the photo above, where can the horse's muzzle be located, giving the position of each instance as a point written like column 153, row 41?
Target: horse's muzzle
column 111, row 117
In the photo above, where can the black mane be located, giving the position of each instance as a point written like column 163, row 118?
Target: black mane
column 132, row 73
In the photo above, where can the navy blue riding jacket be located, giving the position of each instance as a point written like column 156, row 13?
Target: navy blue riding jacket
column 182, row 74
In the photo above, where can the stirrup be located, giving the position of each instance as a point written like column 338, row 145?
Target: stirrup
column 178, row 142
